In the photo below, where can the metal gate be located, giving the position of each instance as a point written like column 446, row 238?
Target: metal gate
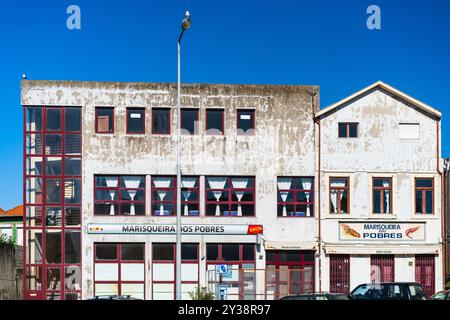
column 382, row 268
column 425, row 273
column 340, row 274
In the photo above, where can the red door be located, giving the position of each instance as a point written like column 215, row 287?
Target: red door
column 340, row 274
column 382, row 268
column 425, row 273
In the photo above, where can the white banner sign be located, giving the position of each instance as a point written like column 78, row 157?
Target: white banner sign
column 382, row 231
column 216, row 229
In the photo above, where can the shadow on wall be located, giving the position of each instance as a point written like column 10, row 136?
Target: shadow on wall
column 10, row 272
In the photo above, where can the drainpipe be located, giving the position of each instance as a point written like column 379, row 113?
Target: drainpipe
column 438, row 157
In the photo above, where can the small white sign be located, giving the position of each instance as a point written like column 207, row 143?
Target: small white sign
column 245, row 117
column 222, row 269
column 135, row 116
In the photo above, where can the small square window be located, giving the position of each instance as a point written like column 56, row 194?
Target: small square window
column 135, row 120
column 214, row 122
column 348, row 130
column 246, row 122
column 104, row 120
column 189, row 121
column 161, row 121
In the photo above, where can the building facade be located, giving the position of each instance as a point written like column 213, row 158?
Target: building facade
column 100, row 189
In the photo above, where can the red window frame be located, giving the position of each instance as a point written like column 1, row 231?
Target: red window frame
column 253, row 114
column 347, row 129
column 340, row 273
column 96, row 120
column 425, row 273
column 43, row 229
column 223, row 122
column 381, row 190
column 424, row 190
column 296, row 203
column 386, row 265
column 119, row 189
column 196, row 129
column 230, row 189
column 120, row 262
column 141, row 110
column 168, row 120
column 173, row 188
column 340, row 190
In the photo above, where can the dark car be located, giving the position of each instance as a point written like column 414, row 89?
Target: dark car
column 127, row 297
column 388, row 291
column 441, row 295
column 317, row 296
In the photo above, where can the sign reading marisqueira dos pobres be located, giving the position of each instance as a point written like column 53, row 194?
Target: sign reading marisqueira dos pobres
column 216, row 229
column 382, row 231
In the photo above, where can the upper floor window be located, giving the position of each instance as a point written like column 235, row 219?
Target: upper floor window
column 104, row 120
column 348, row 129
column 295, row 196
column 119, row 195
column 246, row 122
column 189, row 121
column 382, row 195
column 161, row 121
column 135, row 120
column 339, row 195
column 424, row 190
column 215, row 121
column 230, row 196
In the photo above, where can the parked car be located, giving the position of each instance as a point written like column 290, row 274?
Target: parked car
column 441, row 295
column 388, row 291
column 317, row 296
column 113, row 297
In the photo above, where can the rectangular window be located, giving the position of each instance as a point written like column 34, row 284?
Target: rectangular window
column 348, row 130
column 214, row 121
column 408, row 130
column 119, row 195
column 424, row 191
column 340, row 274
column 135, row 120
column 230, row 196
column 104, row 120
column 295, row 196
column 161, row 121
column 382, row 195
column 246, row 122
column 189, row 121
column 339, row 195
column 382, row 268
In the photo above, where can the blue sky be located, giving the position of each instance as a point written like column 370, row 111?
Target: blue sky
column 317, row 42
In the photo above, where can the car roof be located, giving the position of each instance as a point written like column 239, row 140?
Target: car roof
column 377, row 283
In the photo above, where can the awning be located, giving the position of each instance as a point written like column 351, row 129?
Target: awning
column 381, row 249
column 280, row 245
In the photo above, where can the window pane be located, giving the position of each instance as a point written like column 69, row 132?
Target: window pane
column 132, row 182
column 72, row 191
column 53, row 166
column 53, row 216
column 105, row 118
column 342, row 130
column 163, row 252
column 132, row 251
column 53, row 144
column 353, row 130
column 34, row 143
column 189, row 251
column 34, row 216
column 344, row 202
column 53, row 119
column 53, row 246
column 429, row 202
column 189, row 121
column 34, row 119
column 53, row 279
column 72, row 216
column 248, row 252
column 72, row 278
column 230, row 252
column 34, row 247
column 109, row 181
column 424, row 183
column 419, row 201
column 33, row 190
column 34, row 278
column 161, row 121
column 34, row 166
column 212, row 252
column 376, row 201
column 136, row 120
column 72, row 166
column 53, row 194
column 72, row 246
column 214, row 121
column 73, row 119
column 106, row 251
column 72, row 144
column 381, row 182
column 245, row 122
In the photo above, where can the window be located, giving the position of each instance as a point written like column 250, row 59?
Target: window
column 104, row 120
column 161, row 121
column 382, row 268
column 340, row 274
column 382, row 195
column 339, row 195
column 189, row 121
column 424, row 190
column 214, row 121
column 119, row 195
column 246, row 122
column 230, row 196
column 164, row 194
column 348, row 130
column 295, row 197
column 135, row 120
column 408, row 130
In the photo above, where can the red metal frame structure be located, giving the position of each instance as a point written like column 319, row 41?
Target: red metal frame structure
column 96, row 120
column 347, row 129
column 295, row 203
column 382, row 266
column 425, row 272
column 120, row 191
column 421, row 204
column 340, row 274
column 168, row 120
column 119, row 261
column 68, row 146
column 380, row 190
column 222, row 111
column 228, row 196
column 339, row 191
column 196, row 128
column 252, row 114
column 139, row 110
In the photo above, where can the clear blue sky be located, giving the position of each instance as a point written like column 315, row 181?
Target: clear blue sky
column 317, row 42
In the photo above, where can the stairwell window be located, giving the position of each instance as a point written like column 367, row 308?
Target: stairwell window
column 348, row 129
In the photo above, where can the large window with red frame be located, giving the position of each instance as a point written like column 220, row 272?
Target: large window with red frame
column 240, row 277
column 289, row 272
column 230, row 196
column 119, row 195
column 52, row 196
column 164, row 277
column 119, row 269
column 295, row 196
column 164, row 196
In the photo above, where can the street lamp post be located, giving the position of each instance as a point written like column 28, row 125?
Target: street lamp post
column 184, row 26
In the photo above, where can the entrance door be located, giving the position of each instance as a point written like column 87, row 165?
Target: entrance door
column 340, row 274
column 382, row 268
column 425, row 273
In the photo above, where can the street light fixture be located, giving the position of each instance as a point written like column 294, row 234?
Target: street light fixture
column 184, row 26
